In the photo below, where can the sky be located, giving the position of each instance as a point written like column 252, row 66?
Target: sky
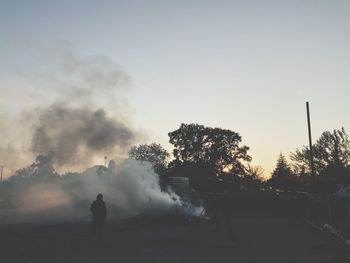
column 248, row 66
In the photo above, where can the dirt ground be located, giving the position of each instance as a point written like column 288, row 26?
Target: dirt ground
column 258, row 240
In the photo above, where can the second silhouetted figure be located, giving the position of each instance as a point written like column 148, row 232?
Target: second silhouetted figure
column 99, row 215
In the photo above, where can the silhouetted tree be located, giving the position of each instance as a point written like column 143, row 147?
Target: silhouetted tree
column 282, row 175
column 22, row 173
column 42, row 169
column 255, row 172
column 254, row 176
column 153, row 153
column 215, row 148
column 331, row 156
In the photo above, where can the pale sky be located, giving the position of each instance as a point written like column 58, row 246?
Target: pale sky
column 248, row 66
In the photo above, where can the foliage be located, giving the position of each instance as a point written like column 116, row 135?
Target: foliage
column 254, row 177
column 215, row 148
column 282, row 169
column 255, row 172
column 282, row 176
column 42, row 168
column 153, row 153
column 331, row 155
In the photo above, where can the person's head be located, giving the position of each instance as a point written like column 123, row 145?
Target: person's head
column 99, row 197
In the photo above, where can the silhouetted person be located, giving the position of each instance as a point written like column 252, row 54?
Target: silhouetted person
column 222, row 211
column 226, row 212
column 99, row 214
column 214, row 210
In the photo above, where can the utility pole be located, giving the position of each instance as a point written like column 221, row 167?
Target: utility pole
column 106, row 161
column 310, row 145
column 2, row 168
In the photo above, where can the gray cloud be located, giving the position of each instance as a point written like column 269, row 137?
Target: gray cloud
column 85, row 111
column 63, row 131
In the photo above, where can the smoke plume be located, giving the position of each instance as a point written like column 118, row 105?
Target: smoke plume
column 77, row 111
column 130, row 189
column 64, row 131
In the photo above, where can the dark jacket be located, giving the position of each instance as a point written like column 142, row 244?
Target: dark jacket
column 98, row 210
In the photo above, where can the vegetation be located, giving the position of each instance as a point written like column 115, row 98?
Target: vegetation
column 331, row 158
column 282, row 176
column 215, row 148
column 41, row 169
column 207, row 155
column 153, row 153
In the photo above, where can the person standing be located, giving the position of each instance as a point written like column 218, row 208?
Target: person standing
column 222, row 209
column 99, row 215
column 227, row 211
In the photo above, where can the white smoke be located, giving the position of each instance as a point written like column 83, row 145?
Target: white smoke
column 79, row 112
column 130, row 189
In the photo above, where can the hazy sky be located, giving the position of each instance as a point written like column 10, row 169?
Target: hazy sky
column 248, row 66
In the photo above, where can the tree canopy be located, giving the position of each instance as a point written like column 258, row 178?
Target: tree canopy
column 215, row 148
column 153, row 153
column 331, row 155
column 41, row 169
column 282, row 169
column 282, row 175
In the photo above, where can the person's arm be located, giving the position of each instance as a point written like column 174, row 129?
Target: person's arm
column 105, row 211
